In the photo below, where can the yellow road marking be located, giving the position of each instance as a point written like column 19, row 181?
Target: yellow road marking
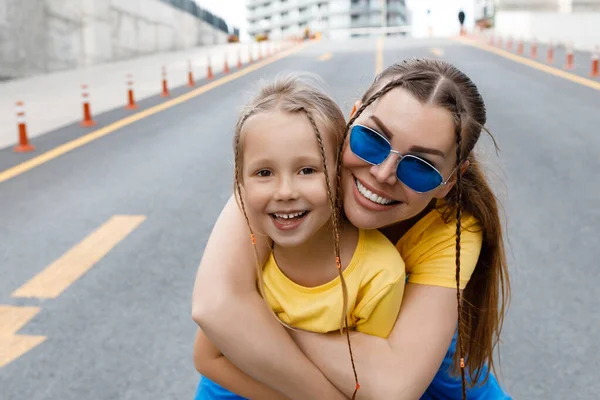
column 379, row 56
column 437, row 52
column 59, row 275
column 325, row 57
column 74, row 144
column 533, row 64
column 13, row 346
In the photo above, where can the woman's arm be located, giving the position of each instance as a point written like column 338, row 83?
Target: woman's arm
column 212, row 364
column 228, row 308
column 401, row 366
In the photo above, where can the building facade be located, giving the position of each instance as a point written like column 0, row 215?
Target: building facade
column 334, row 18
column 549, row 5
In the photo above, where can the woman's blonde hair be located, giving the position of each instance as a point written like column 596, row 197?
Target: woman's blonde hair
column 298, row 94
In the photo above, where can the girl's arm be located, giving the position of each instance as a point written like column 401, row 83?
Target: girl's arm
column 212, row 364
column 401, row 366
column 228, row 308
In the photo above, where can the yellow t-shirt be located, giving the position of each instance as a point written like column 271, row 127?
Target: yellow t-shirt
column 429, row 249
column 375, row 278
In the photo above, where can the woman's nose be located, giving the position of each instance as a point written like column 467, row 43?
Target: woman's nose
column 386, row 171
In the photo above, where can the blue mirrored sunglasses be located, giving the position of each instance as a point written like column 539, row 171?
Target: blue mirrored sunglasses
column 374, row 148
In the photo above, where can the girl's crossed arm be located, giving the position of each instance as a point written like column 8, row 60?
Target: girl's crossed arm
column 228, row 308
column 400, row 367
column 212, row 364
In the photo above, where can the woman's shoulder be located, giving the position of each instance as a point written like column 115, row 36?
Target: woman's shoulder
column 438, row 229
column 429, row 248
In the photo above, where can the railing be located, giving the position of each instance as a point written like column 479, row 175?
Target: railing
column 191, row 7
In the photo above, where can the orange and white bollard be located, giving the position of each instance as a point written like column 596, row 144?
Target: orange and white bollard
column 24, row 145
column 130, row 98
column 191, row 82
column 521, row 47
column 570, row 57
column 509, row 43
column 225, row 65
column 87, row 113
column 250, row 51
column 259, row 52
column 165, row 84
column 491, row 41
column 534, row 48
column 209, row 72
column 239, row 63
column 550, row 57
column 595, row 67
column 500, row 41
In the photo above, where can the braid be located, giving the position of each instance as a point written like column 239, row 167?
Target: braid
column 336, row 241
column 458, row 232
column 238, row 191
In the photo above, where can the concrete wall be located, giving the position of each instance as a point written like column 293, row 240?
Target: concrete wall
column 38, row 36
column 580, row 29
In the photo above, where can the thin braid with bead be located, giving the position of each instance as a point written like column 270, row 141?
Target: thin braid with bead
column 336, row 241
column 458, row 232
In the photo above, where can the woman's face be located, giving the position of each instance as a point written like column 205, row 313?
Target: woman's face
column 426, row 131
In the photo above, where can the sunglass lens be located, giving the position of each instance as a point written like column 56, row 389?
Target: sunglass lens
column 368, row 145
column 418, row 175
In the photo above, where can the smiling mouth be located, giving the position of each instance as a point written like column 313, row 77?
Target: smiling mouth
column 367, row 194
column 286, row 219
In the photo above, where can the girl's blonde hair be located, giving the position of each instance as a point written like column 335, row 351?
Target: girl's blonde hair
column 296, row 94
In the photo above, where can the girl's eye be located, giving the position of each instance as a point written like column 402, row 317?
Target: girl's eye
column 263, row 173
column 307, row 171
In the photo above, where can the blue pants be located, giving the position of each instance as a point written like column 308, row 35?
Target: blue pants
column 443, row 387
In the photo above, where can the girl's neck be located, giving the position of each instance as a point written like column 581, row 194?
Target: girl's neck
column 313, row 262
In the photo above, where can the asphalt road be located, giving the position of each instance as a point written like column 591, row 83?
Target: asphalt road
column 124, row 331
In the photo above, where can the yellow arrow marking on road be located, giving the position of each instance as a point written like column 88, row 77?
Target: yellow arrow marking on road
column 13, row 346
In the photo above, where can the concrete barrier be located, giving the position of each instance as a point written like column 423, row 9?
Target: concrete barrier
column 579, row 28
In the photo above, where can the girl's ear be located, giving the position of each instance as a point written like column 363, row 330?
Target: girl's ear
column 357, row 105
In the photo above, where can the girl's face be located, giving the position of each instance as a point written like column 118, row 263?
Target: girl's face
column 426, row 131
column 284, row 188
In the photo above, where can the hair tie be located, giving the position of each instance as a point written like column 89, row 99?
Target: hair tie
column 338, row 263
column 253, row 238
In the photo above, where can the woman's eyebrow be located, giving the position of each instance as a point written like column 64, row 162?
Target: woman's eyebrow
column 416, row 149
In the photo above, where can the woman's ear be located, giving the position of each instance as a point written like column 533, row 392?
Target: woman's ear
column 357, row 105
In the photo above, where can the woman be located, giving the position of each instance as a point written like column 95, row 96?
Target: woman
column 410, row 173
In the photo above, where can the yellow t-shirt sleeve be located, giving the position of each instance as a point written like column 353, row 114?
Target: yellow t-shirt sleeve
column 436, row 261
column 376, row 315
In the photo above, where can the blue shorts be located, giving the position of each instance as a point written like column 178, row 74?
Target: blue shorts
column 208, row 390
column 443, row 387
column 447, row 387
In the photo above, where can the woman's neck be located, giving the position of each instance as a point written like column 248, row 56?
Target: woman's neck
column 396, row 231
column 313, row 262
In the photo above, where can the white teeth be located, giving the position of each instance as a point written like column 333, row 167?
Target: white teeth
column 372, row 196
column 288, row 216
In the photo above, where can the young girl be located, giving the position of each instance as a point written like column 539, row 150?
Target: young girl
column 285, row 162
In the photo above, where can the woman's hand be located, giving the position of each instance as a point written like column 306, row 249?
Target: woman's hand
column 399, row 367
column 228, row 308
